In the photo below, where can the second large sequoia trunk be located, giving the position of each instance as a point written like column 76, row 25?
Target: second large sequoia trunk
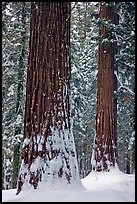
column 104, row 154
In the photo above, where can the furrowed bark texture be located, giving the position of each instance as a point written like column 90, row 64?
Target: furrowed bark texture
column 47, row 127
column 105, row 140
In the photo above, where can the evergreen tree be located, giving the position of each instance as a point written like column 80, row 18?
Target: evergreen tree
column 48, row 151
column 8, row 91
column 125, row 61
column 12, row 30
column 104, row 153
column 20, row 93
column 84, row 79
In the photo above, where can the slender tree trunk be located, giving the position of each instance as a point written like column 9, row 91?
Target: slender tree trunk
column 105, row 141
column 15, row 164
column 19, row 104
column 127, row 163
column 48, row 151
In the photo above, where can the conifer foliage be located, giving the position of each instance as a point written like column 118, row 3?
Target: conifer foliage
column 15, row 32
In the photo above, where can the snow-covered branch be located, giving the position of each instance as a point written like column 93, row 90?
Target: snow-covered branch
column 121, row 84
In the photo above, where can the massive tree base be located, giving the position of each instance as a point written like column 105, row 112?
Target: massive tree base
column 54, row 164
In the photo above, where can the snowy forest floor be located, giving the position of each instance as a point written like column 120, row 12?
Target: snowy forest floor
column 113, row 186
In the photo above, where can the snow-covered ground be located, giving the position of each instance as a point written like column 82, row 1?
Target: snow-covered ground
column 113, row 186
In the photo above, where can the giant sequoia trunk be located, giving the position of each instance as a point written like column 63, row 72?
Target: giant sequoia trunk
column 104, row 153
column 48, row 151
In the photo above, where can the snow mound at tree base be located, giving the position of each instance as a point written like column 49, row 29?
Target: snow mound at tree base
column 112, row 186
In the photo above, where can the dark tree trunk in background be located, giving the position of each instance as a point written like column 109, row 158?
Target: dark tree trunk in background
column 128, row 162
column 19, row 103
column 48, row 151
column 15, row 164
column 104, row 153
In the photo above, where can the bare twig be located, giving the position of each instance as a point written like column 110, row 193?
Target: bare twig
column 121, row 85
column 71, row 11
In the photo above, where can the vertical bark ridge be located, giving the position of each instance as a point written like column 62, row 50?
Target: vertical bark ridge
column 47, row 116
column 105, row 147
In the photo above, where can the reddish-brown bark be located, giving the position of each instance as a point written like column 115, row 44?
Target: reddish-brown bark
column 48, row 88
column 105, row 140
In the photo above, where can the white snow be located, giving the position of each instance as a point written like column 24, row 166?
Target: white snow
column 113, row 186
column 26, row 142
column 98, row 120
column 11, row 90
column 19, row 119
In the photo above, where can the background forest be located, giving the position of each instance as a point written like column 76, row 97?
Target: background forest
column 84, row 72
